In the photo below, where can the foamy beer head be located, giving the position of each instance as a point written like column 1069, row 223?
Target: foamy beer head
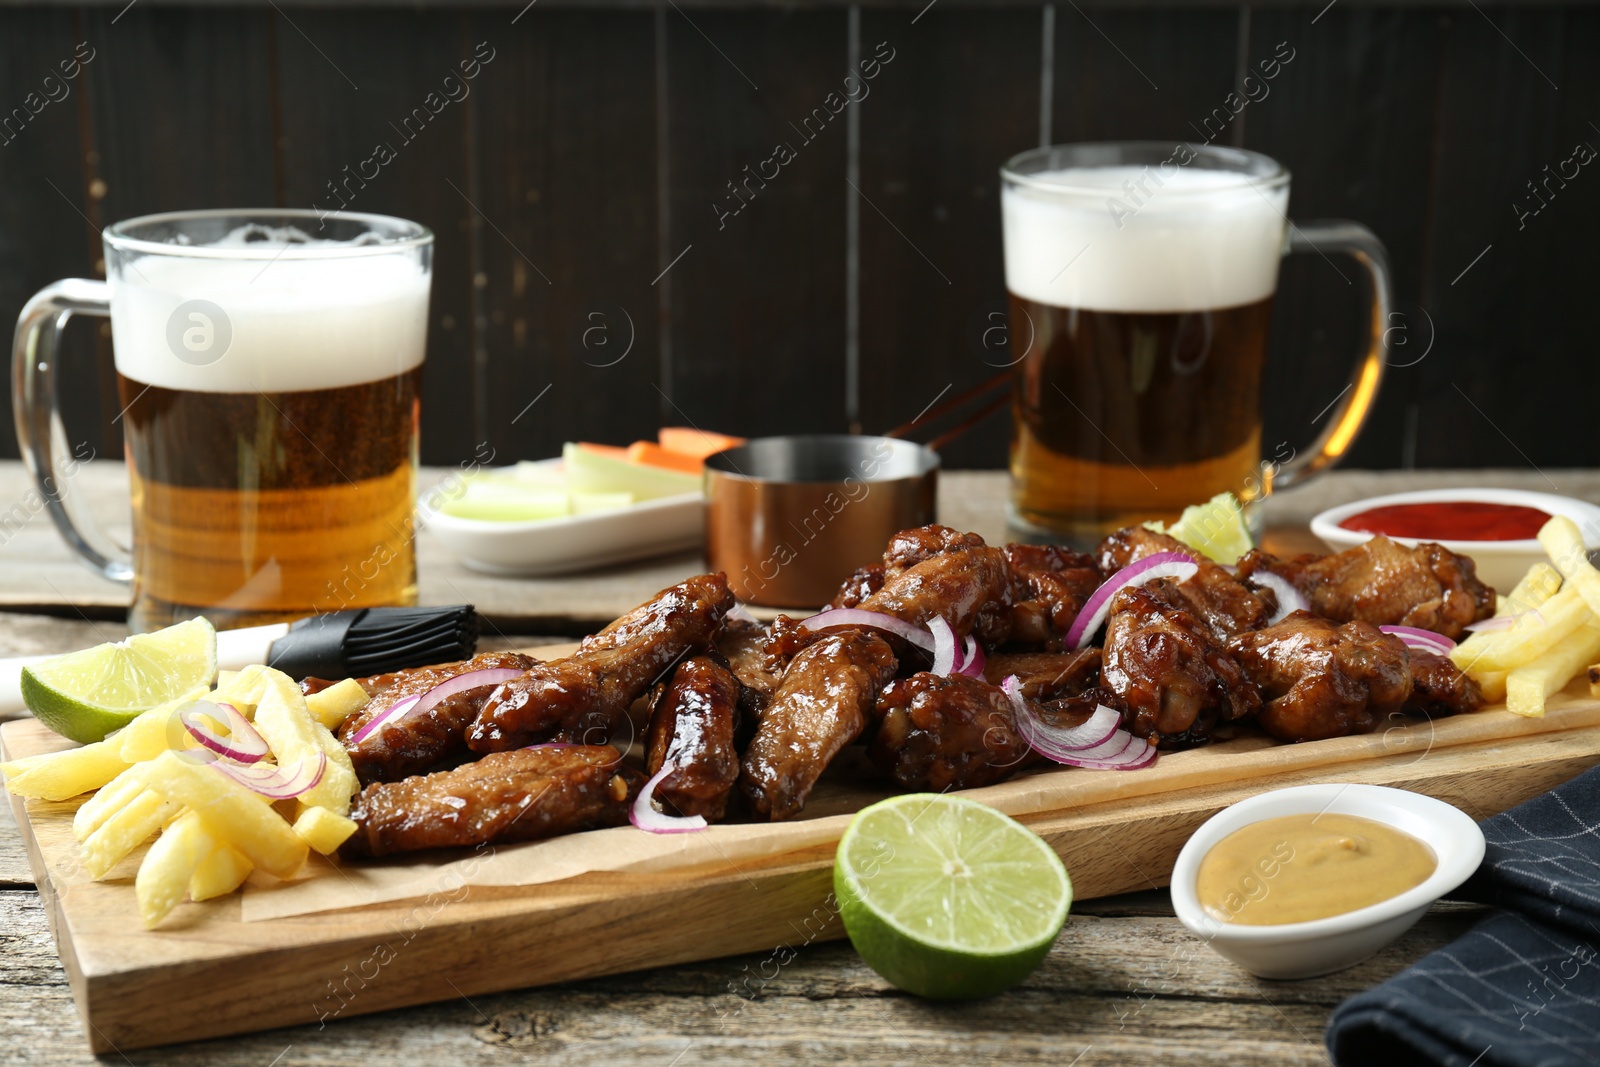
column 1150, row 236
column 268, row 309
column 269, row 368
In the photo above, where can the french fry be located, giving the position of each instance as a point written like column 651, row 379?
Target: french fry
column 229, row 810
column 157, row 730
column 1563, row 543
column 110, row 799
column 1493, row 684
column 244, row 688
column 323, row 830
column 293, row 735
column 1560, row 619
column 128, row 827
column 61, row 775
column 222, row 871
column 166, row 869
column 1529, row 685
column 338, row 702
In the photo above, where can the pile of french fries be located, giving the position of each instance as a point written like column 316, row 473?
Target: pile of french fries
column 1556, row 635
column 213, row 831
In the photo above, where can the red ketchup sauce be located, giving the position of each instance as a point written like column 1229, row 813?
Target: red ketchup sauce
column 1451, row 520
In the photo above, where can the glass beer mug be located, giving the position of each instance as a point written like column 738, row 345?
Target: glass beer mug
column 269, row 365
column 1140, row 278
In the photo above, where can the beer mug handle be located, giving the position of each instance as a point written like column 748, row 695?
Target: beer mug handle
column 40, row 436
column 1355, row 403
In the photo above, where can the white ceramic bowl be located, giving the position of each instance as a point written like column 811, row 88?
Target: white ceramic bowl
column 1500, row 563
column 1322, row 946
column 575, row 542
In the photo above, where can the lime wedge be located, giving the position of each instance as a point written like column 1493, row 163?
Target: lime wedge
column 946, row 897
column 1216, row 528
column 86, row 695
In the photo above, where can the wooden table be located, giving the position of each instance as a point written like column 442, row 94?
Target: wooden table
column 1125, row 983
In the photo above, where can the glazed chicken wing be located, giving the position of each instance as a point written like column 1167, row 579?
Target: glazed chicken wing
column 951, row 732
column 1047, row 675
column 418, row 743
column 1439, row 687
column 1213, row 595
column 583, row 697
column 860, row 585
column 692, row 721
column 1164, row 667
column 1386, row 583
column 506, row 796
column 1322, row 679
column 820, row 707
column 1049, row 585
column 966, row 587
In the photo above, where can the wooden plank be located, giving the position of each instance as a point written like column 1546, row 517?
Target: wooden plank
column 349, row 83
column 567, row 172
column 1507, row 338
column 311, row 967
column 959, row 97
column 756, row 313
column 44, row 235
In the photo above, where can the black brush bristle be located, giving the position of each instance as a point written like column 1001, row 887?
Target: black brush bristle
column 368, row 641
column 392, row 639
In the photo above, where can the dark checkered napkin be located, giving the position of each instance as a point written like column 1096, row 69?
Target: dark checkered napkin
column 1522, row 988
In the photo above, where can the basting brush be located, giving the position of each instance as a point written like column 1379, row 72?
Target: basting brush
column 342, row 644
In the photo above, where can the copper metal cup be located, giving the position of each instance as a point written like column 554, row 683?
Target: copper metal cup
column 789, row 518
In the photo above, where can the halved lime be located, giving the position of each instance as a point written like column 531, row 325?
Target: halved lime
column 946, row 897
column 1216, row 528
column 86, row 695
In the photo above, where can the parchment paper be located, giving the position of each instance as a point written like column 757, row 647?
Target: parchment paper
column 326, row 886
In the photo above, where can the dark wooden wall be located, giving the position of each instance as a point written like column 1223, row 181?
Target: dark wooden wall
column 575, row 188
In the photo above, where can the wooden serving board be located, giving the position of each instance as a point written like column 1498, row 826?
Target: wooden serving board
column 206, row 973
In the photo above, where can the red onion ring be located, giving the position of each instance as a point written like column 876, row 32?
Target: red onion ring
column 972, row 665
column 876, row 620
column 1422, row 640
column 1290, row 599
column 946, row 653
column 242, row 745
column 1098, row 744
column 276, row 783
column 645, row 816
column 1098, row 606
column 416, row 705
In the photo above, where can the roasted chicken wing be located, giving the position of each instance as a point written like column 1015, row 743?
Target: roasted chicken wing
column 820, row 707
column 1386, row 583
column 1047, row 675
column 1323, row 679
column 583, row 697
column 1049, row 585
column 693, row 716
column 951, row 732
column 1220, row 600
column 418, row 743
column 505, row 796
column 1439, row 687
column 1165, row 669
column 860, row 585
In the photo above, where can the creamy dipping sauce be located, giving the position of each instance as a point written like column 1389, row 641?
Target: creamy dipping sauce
column 1296, row 868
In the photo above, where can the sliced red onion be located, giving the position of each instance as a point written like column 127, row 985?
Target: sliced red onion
column 1098, row 606
column 1290, row 599
column 972, row 665
column 645, row 816
column 1098, row 744
column 1423, row 640
column 416, row 705
column 242, row 745
column 946, row 654
column 276, row 783
column 1503, row 622
column 876, row 620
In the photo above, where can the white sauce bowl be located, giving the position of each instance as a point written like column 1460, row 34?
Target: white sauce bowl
column 1322, row 946
column 1500, row 563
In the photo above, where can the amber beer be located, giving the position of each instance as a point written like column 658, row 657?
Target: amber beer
column 272, row 462
column 1140, row 298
